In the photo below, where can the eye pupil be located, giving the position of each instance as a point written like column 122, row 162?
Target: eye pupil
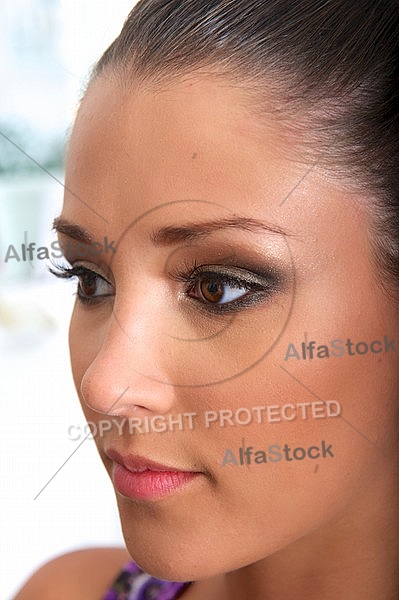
column 212, row 290
column 88, row 285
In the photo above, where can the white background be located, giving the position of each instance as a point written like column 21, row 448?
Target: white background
column 47, row 47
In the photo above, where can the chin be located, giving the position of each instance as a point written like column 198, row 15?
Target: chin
column 170, row 568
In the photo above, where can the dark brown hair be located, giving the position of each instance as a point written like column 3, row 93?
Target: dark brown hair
column 331, row 67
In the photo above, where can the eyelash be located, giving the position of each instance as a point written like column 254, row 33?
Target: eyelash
column 82, row 274
column 259, row 286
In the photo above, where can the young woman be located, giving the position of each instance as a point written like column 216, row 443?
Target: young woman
column 233, row 175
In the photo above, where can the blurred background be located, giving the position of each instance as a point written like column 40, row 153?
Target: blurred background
column 47, row 48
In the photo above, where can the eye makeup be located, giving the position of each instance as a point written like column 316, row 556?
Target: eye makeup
column 218, row 279
column 206, row 284
column 88, row 283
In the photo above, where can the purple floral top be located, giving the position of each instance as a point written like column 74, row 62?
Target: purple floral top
column 134, row 584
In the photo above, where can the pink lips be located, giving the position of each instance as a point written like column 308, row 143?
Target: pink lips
column 143, row 479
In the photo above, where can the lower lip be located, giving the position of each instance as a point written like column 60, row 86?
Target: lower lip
column 149, row 485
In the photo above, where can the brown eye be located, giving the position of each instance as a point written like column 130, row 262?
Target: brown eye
column 92, row 287
column 211, row 290
column 225, row 288
column 88, row 284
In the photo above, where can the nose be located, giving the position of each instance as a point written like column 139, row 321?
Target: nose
column 129, row 374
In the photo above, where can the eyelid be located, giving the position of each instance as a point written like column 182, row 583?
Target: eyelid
column 261, row 285
column 269, row 278
column 242, row 275
column 82, row 265
column 78, row 271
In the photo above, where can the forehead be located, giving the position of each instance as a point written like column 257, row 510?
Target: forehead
column 134, row 148
column 196, row 101
column 194, row 118
column 196, row 135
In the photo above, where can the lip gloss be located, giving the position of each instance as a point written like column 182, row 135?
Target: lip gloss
column 149, row 484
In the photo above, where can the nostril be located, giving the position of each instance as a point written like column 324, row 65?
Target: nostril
column 126, row 410
column 109, row 387
column 103, row 407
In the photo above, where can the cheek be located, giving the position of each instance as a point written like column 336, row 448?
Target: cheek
column 294, row 497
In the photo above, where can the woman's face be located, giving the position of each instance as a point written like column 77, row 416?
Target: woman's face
column 232, row 263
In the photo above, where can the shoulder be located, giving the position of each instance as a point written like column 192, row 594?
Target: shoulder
column 83, row 574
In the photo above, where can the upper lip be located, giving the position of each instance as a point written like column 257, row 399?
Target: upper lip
column 138, row 464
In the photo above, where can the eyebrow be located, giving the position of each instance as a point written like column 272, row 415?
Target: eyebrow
column 73, row 231
column 170, row 235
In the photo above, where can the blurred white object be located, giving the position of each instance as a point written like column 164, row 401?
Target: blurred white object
column 23, row 325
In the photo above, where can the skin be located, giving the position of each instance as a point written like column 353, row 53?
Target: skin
column 279, row 530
